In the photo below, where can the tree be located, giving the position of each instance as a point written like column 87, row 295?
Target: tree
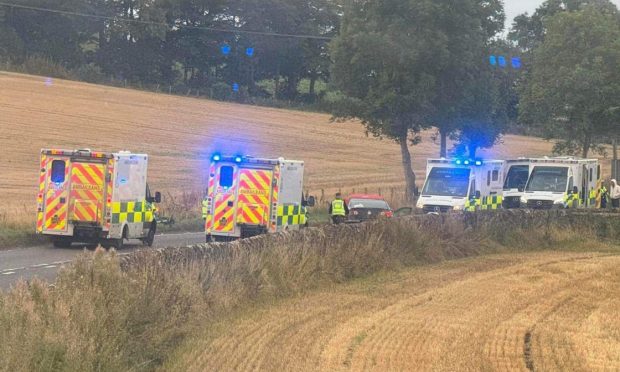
column 468, row 28
column 407, row 65
column 573, row 92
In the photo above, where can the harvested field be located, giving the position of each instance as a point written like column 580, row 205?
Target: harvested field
column 537, row 311
column 181, row 133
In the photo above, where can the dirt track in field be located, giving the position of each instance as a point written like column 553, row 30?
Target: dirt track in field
column 181, row 133
column 544, row 311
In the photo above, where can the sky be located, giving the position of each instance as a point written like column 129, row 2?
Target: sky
column 516, row 7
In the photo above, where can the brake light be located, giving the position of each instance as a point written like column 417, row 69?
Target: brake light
column 355, row 213
column 389, row 214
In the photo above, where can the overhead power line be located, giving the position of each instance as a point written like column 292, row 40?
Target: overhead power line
column 163, row 24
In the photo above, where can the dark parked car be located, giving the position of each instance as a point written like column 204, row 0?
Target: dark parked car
column 363, row 207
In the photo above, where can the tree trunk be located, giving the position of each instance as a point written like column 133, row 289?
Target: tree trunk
column 409, row 174
column 587, row 142
column 472, row 151
column 313, row 78
column 443, row 150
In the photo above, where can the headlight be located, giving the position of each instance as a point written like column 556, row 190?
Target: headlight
column 458, row 208
column 559, row 202
column 523, row 200
column 419, row 204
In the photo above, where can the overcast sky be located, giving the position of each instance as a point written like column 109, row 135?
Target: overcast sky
column 516, row 7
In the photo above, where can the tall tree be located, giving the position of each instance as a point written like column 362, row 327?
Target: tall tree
column 573, row 92
column 403, row 64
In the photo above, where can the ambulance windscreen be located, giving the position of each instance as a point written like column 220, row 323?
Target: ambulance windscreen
column 447, row 182
column 517, row 177
column 549, row 179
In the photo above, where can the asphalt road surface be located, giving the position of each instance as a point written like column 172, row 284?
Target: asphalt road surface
column 44, row 261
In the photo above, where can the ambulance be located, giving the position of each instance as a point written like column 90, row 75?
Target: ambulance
column 95, row 198
column 462, row 185
column 517, row 172
column 562, row 182
column 250, row 196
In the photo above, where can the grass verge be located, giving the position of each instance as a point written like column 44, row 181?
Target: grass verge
column 130, row 313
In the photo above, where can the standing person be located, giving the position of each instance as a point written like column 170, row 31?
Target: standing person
column 205, row 208
column 338, row 209
column 603, row 194
column 614, row 193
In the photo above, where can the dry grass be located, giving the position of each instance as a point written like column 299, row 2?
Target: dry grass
column 181, row 133
column 132, row 313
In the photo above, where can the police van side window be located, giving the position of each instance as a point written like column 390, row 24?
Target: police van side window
column 226, row 176
column 58, row 171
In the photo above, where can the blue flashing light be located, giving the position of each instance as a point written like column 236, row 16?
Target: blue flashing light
column 478, row 162
column 493, row 60
column 466, row 162
column 235, row 87
column 516, row 63
column 225, row 49
column 458, row 162
column 238, row 159
column 249, row 52
column 501, row 61
column 216, row 157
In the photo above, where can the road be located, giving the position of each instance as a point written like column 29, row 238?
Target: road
column 44, row 261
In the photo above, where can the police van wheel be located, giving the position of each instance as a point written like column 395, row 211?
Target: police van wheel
column 61, row 243
column 150, row 236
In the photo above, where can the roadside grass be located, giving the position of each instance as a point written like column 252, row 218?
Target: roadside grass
column 107, row 312
column 17, row 229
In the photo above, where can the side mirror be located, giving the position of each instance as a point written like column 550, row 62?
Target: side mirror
column 416, row 191
column 575, row 190
column 158, row 197
column 521, row 189
column 478, row 194
column 309, row 202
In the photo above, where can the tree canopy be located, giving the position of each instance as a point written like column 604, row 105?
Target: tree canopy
column 573, row 92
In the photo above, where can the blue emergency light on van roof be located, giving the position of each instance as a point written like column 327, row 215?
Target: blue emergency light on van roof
column 458, row 162
column 478, row 162
column 466, row 162
column 238, row 159
column 216, row 157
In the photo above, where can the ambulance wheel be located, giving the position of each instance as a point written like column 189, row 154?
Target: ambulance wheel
column 120, row 243
column 61, row 243
column 150, row 236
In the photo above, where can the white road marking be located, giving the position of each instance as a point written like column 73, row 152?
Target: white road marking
column 50, row 267
column 15, row 269
column 8, row 273
column 39, row 265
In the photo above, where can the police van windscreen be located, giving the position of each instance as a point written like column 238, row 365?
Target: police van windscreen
column 549, row 179
column 447, row 182
column 517, row 177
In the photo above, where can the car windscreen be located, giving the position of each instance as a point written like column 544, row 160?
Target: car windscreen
column 549, row 179
column 517, row 177
column 368, row 203
column 447, row 182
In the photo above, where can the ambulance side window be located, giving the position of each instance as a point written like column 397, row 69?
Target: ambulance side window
column 495, row 175
column 489, row 178
column 226, row 176
column 58, row 171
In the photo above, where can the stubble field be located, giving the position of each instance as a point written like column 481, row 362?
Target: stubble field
column 551, row 311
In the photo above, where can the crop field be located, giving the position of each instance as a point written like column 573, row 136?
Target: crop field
column 181, row 133
column 541, row 311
